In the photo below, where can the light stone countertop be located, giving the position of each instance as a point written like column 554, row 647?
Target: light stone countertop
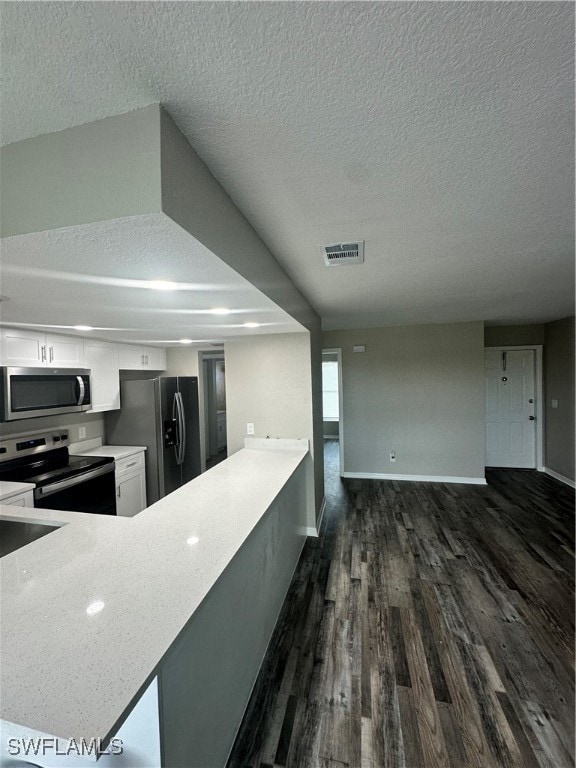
column 8, row 489
column 114, row 451
column 72, row 673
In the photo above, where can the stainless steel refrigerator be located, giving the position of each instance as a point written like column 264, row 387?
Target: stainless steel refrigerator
column 161, row 414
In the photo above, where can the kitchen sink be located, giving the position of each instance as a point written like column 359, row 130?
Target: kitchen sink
column 15, row 534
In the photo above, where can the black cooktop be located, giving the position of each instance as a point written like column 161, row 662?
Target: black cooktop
column 49, row 467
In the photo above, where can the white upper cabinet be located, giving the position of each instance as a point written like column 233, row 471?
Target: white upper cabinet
column 65, row 351
column 23, row 349
column 30, row 349
column 130, row 358
column 102, row 358
column 136, row 358
column 155, row 358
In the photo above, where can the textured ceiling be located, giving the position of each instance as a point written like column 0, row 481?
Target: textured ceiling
column 85, row 276
column 440, row 133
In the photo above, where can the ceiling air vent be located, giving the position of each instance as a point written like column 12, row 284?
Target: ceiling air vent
column 343, row 253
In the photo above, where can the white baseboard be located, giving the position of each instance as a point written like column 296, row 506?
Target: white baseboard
column 415, row 478
column 315, row 531
column 558, row 476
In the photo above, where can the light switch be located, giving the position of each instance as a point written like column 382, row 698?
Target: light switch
column 359, row 348
column 554, row 403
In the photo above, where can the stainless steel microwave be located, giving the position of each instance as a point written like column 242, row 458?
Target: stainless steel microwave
column 27, row 393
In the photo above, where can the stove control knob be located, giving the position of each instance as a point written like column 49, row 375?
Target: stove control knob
column 56, row 438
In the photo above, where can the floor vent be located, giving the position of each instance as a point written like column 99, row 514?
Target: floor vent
column 343, row 253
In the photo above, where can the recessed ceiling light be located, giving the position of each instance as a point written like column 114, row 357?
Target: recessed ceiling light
column 161, row 285
column 251, row 325
column 83, row 328
column 185, row 341
column 220, row 311
column 95, row 607
column 192, row 540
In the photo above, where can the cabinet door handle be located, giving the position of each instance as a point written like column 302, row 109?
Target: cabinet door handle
column 146, row 359
column 51, row 353
column 132, row 464
column 119, row 492
column 43, row 354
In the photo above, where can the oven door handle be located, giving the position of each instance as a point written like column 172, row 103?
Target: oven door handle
column 81, row 389
column 48, row 490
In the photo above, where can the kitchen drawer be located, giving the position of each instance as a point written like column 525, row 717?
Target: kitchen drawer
column 130, row 463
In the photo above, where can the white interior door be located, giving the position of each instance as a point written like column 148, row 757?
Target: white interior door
column 510, row 408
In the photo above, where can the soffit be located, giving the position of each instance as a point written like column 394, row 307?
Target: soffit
column 440, row 133
column 95, row 275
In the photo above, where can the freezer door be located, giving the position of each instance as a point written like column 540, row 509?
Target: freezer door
column 171, row 434
column 188, row 389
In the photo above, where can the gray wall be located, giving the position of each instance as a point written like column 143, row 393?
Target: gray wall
column 559, row 385
column 418, row 391
column 513, row 335
column 331, row 428
column 93, row 172
column 315, row 374
column 269, row 383
column 92, row 422
column 220, row 371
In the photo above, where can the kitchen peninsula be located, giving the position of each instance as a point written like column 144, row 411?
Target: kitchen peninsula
column 186, row 593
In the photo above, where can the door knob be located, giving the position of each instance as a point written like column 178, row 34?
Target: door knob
column 531, row 418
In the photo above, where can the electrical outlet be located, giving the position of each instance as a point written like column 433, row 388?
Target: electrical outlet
column 392, row 456
column 249, row 428
column 81, row 433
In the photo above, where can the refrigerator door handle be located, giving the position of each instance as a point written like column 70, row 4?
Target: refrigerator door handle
column 182, row 419
column 176, row 418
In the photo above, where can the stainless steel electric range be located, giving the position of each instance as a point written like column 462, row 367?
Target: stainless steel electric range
column 63, row 482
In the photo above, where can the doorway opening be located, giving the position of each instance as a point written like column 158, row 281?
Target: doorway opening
column 214, row 379
column 332, row 416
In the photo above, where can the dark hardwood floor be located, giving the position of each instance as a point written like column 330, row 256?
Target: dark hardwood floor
column 429, row 625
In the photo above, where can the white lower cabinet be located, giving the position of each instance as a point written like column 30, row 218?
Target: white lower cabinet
column 25, row 499
column 130, row 485
column 130, row 494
